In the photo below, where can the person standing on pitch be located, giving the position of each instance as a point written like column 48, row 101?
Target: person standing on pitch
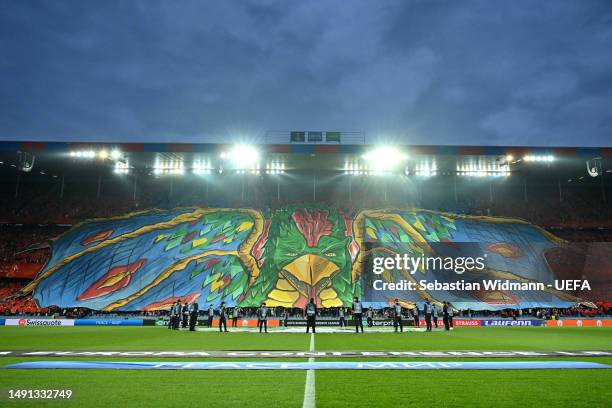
column 415, row 315
column 427, row 313
column 171, row 317
column 397, row 316
column 445, row 315
column 311, row 316
column 193, row 315
column 235, row 316
column 185, row 315
column 370, row 317
column 223, row 317
column 434, row 314
column 262, row 316
column 341, row 315
column 177, row 316
column 451, row 314
column 211, row 315
column 358, row 314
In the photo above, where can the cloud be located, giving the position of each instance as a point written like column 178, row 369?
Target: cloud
column 474, row 72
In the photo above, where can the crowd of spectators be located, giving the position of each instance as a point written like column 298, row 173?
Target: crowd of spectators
column 544, row 206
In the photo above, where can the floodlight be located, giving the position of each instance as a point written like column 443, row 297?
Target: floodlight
column 384, row 157
column 243, row 156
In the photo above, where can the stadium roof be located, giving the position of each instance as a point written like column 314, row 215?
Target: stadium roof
column 569, row 162
column 302, row 148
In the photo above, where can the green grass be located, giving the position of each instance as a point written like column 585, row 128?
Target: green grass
column 530, row 388
column 156, row 338
column 476, row 338
column 143, row 338
column 125, row 388
column 132, row 388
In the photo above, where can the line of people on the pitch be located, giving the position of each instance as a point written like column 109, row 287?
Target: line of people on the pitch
column 187, row 314
column 183, row 315
column 263, row 313
column 430, row 311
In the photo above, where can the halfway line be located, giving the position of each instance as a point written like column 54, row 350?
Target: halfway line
column 309, row 389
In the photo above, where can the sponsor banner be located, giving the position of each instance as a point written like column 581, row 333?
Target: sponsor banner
column 580, row 323
column 1, row 322
column 302, row 354
column 519, row 323
column 241, row 322
column 110, row 322
column 39, row 322
column 319, row 322
column 459, row 322
column 351, row 322
column 333, row 365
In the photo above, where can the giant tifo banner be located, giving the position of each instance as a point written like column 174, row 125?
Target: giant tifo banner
column 243, row 257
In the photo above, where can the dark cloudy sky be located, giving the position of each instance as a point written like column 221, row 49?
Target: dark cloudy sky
column 530, row 72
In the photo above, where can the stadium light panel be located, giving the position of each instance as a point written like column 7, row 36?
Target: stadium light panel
column 539, row 158
column 121, row 168
column 243, row 156
column 384, row 158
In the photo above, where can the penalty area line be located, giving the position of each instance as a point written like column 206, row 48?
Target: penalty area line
column 309, row 388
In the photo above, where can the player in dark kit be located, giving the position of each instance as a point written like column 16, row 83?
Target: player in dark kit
column 397, row 316
column 194, row 308
column 223, row 317
column 311, row 316
column 262, row 317
column 427, row 313
column 358, row 314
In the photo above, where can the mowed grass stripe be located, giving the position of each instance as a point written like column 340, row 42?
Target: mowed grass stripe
column 157, row 338
column 143, row 338
column 170, row 388
column 494, row 388
column 475, row 338
column 93, row 388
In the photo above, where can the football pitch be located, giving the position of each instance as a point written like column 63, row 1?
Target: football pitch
column 326, row 388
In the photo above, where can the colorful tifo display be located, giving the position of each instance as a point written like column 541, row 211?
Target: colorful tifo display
column 148, row 260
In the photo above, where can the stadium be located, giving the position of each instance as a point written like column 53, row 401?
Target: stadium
column 100, row 241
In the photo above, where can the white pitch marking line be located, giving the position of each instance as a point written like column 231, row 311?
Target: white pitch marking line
column 309, row 389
